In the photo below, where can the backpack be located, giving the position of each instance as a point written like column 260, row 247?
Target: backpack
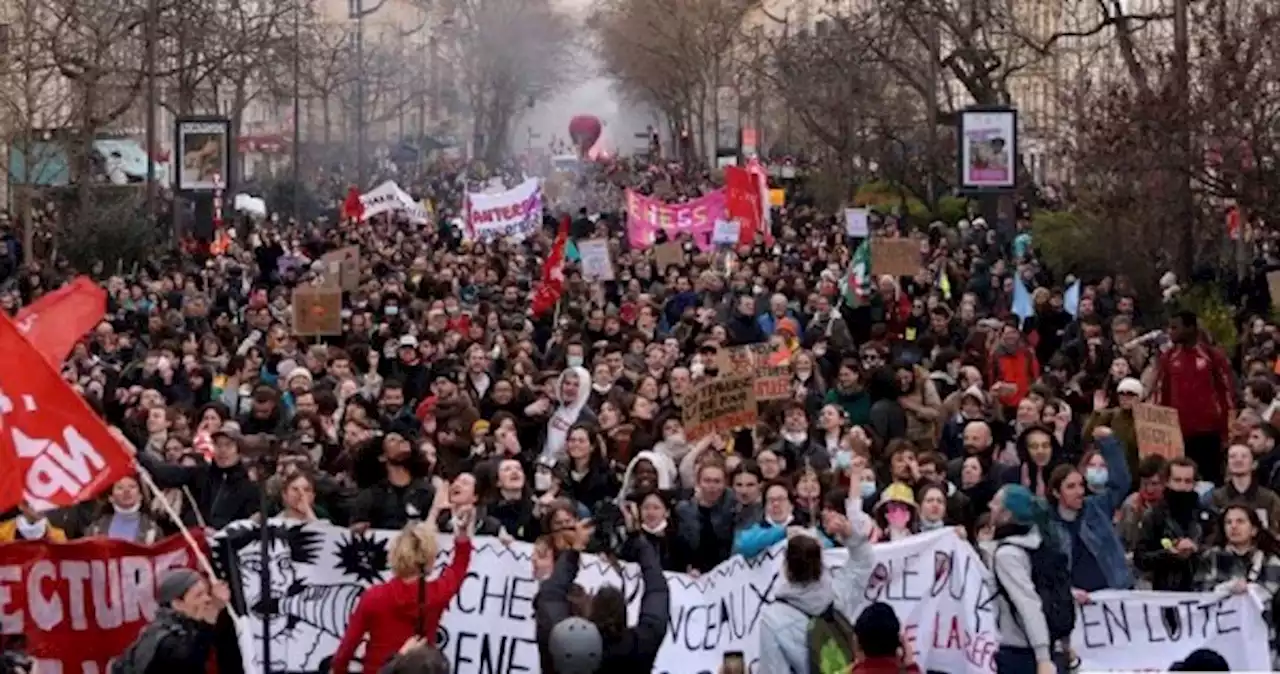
column 138, row 656
column 1051, row 575
column 830, row 641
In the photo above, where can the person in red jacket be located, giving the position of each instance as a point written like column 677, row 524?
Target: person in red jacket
column 407, row 605
column 1014, row 369
column 1195, row 378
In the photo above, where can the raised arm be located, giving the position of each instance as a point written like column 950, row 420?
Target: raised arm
column 850, row 581
column 756, row 539
column 1118, row 475
column 166, row 475
column 655, row 604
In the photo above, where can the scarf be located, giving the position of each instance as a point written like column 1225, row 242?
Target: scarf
column 657, row 529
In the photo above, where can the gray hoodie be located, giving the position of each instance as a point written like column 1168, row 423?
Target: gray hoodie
column 784, row 628
column 1011, row 564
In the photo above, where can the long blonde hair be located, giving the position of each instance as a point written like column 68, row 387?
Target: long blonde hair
column 413, row 550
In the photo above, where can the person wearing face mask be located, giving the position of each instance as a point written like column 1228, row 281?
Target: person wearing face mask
column 1119, row 419
column 648, row 513
column 30, row 525
column 781, row 521
column 1150, row 492
column 896, row 514
column 1082, row 522
column 1174, row 531
column 125, row 520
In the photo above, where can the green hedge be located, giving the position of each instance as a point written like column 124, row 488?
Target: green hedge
column 886, row 197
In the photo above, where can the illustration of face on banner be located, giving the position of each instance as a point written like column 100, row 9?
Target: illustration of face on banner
column 204, row 153
column 988, row 149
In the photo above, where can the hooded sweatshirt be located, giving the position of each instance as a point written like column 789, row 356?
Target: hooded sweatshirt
column 666, row 472
column 1011, row 564
column 784, row 644
column 388, row 613
column 567, row 414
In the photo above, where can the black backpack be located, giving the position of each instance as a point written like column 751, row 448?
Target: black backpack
column 1051, row 575
column 829, row 638
column 139, row 655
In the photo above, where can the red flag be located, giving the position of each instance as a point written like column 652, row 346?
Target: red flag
column 352, row 209
column 755, row 168
column 58, row 320
column 54, row 451
column 742, row 203
column 548, row 292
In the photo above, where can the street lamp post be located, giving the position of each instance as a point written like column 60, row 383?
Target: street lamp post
column 357, row 12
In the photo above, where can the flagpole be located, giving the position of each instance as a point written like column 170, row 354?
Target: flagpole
column 201, row 558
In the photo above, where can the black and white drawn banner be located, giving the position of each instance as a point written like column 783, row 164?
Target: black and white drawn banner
column 936, row 582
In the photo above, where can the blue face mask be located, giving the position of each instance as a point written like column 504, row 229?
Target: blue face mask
column 844, row 459
column 1095, row 476
column 868, row 490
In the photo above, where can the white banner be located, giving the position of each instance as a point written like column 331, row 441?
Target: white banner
column 515, row 213
column 388, row 198
column 936, row 582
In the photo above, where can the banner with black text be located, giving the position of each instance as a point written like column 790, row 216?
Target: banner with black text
column 936, row 582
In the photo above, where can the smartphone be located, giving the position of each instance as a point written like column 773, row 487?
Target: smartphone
column 733, row 663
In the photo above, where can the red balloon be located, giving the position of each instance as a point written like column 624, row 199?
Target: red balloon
column 585, row 131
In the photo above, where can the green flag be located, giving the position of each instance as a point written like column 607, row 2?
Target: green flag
column 855, row 286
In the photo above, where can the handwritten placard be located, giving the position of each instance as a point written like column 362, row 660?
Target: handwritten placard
column 720, row 405
column 772, row 381
column 895, row 257
column 348, row 266
column 597, row 263
column 668, row 254
column 1158, row 430
column 317, row 312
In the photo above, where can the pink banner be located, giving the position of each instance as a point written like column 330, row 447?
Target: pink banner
column 646, row 216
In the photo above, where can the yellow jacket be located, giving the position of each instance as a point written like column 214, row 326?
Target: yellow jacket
column 9, row 532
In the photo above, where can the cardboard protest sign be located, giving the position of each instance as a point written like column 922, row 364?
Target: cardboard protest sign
column 317, row 312
column 720, row 405
column 597, row 262
column 895, row 257
column 668, row 254
column 772, row 382
column 348, row 261
column 1273, row 284
column 1158, row 430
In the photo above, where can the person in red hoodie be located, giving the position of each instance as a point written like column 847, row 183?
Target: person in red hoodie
column 878, row 644
column 1194, row 378
column 408, row 605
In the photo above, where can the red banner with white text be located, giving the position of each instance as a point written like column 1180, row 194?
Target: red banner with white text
column 80, row 604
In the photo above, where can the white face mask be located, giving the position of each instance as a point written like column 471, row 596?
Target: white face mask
column 541, row 481
column 32, row 530
column 574, row 361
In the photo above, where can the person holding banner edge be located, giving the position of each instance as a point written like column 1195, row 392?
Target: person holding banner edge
column 408, row 605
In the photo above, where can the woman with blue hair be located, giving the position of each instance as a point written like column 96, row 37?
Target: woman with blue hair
column 1033, row 585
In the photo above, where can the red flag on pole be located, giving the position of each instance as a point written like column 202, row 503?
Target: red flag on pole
column 742, row 203
column 54, row 451
column 352, row 209
column 548, row 292
column 58, row 320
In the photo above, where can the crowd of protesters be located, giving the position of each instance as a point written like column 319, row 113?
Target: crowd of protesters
column 925, row 400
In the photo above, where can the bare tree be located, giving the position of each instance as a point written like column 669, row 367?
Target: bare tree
column 673, row 55
column 508, row 56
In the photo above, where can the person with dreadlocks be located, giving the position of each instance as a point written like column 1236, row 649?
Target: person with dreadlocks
column 408, row 605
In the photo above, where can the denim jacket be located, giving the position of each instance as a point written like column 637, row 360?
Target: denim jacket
column 1096, row 530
